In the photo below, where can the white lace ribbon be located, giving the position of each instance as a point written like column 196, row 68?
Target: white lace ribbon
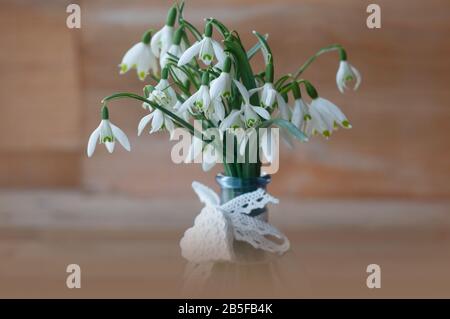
column 217, row 226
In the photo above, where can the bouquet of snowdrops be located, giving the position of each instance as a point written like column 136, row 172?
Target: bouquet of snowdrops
column 199, row 79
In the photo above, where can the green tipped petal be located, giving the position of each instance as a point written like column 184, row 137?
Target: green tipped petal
column 123, row 68
column 142, row 75
column 346, row 124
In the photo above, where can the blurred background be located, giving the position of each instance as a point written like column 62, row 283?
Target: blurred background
column 380, row 191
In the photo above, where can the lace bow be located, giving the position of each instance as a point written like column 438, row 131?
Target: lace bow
column 217, row 226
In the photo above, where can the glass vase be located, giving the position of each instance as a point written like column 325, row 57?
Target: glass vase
column 231, row 187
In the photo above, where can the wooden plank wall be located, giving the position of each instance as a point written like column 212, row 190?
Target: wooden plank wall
column 399, row 145
column 39, row 97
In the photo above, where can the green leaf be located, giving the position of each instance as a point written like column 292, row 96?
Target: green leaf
column 251, row 53
column 267, row 52
column 234, row 46
column 291, row 128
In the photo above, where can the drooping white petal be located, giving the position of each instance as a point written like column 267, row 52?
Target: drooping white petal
column 261, row 112
column 218, row 51
column 335, row 112
column 209, row 157
column 130, row 57
column 217, row 86
column 121, row 137
column 206, row 100
column 187, row 105
column 358, row 77
column 317, row 123
column 268, row 95
column 243, row 91
column 158, row 121
column 167, row 39
column 110, row 146
column 229, row 120
column 155, row 43
column 250, row 116
column 284, row 110
column 253, row 91
column 299, row 113
column 143, row 122
column 219, row 109
column 92, row 142
column 161, row 41
column 190, row 53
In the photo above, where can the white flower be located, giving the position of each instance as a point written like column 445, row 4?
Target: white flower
column 164, row 96
column 324, row 117
column 107, row 133
column 269, row 96
column 251, row 114
column 141, row 58
column 216, row 110
column 200, row 101
column 162, row 39
column 176, row 51
column 221, row 86
column 160, row 120
column 347, row 73
column 206, row 49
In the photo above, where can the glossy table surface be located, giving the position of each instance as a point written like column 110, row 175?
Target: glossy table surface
column 128, row 247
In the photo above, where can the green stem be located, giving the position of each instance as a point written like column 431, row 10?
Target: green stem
column 330, row 48
column 175, row 117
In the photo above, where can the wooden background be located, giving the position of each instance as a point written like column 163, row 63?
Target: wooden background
column 53, row 78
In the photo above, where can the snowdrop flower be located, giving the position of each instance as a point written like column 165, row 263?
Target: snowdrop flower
column 269, row 95
column 347, row 73
column 107, row 133
column 162, row 39
column 221, row 86
column 164, row 96
column 216, row 110
column 325, row 116
column 206, row 49
column 250, row 113
column 200, row 101
column 174, row 50
column 140, row 57
column 165, row 87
